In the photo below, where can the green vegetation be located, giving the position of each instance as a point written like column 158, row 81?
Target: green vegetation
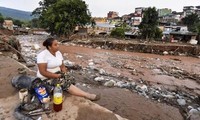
column 34, row 23
column 198, row 28
column 191, row 21
column 62, row 16
column 148, row 26
column 93, row 23
column 118, row 32
column 1, row 20
column 18, row 23
column 158, row 34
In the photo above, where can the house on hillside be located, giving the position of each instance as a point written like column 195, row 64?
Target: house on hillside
column 183, row 36
column 164, row 11
column 126, row 18
column 188, row 10
column 197, row 11
column 178, row 33
column 8, row 24
column 171, row 19
column 115, row 21
column 136, row 17
column 112, row 14
column 140, row 10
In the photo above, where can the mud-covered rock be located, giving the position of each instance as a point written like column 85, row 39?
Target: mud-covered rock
column 194, row 114
column 181, row 102
column 110, row 83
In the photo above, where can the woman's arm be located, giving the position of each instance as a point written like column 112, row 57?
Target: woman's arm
column 43, row 71
column 63, row 68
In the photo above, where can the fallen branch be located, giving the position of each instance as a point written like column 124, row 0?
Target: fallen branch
column 15, row 50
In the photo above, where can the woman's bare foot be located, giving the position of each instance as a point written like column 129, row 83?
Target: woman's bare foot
column 93, row 97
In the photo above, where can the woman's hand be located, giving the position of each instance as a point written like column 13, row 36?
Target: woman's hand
column 63, row 68
column 58, row 75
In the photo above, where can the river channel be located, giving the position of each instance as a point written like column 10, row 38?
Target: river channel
column 130, row 83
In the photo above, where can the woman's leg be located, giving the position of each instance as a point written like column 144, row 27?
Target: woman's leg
column 78, row 92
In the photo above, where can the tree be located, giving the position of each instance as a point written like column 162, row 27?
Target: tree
column 198, row 31
column 17, row 22
column 158, row 34
column 148, row 26
column 125, row 26
column 44, row 4
column 1, row 20
column 8, row 18
column 62, row 16
column 35, row 23
column 118, row 32
column 27, row 24
column 190, row 21
column 93, row 23
column 198, row 28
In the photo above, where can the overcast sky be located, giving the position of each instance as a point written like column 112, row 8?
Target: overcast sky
column 100, row 8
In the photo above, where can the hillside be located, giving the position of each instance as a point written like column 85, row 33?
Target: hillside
column 16, row 14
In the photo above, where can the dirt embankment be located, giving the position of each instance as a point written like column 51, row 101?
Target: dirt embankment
column 6, row 32
column 154, row 47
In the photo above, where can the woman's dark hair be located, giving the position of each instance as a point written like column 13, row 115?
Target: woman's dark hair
column 48, row 42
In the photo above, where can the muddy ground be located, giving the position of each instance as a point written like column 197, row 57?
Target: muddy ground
column 74, row 108
column 134, row 67
column 134, row 85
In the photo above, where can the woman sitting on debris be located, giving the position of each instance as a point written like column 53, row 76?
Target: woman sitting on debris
column 50, row 61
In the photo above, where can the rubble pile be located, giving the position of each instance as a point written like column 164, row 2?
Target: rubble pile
column 30, row 47
column 188, row 104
